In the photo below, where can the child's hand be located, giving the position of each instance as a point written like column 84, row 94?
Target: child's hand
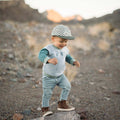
column 53, row 61
column 76, row 63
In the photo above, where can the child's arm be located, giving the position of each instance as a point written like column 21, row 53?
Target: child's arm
column 72, row 61
column 43, row 57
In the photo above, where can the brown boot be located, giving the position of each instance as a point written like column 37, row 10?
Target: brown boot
column 45, row 111
column 62, row 106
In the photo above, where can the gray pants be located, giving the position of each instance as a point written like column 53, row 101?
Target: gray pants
column 49, row 83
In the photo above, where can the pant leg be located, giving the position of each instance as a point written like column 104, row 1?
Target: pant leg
column 47, row 93
column 48, row 85
column 66, row 87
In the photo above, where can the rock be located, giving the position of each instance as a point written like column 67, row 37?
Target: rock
column 116, row 92
column 40, row 118
column 72, row 115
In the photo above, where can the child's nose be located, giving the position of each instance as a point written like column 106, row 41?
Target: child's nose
column 65, row 44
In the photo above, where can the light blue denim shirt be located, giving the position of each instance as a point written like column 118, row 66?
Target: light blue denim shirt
column 61, row 55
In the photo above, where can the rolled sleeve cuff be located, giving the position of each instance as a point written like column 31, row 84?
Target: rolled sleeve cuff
column 72, row 61
column 46, row 59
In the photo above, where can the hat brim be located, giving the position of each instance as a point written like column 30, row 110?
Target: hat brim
column 65, row 37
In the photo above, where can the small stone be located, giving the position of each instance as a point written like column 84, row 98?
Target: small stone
column 92, row 83
column 14, row 45
column 11, row 56
column 39, row 109
column 28, row 75
column 101, row 71
column 33, row 86
column 14, row 80
column 103, row 87
column 80, row 75
column 77, row 100
column 5, row 45
column 110, row 75
column 0, row 78
column 53, row 103
column 17, row 116
column 36, row 86
column 8, row 69
column 4, row 73
column 27, row 112
column 107, row 98
column 37, row 82
column 33, row 109
column 19, row 74
column 22, row 81
column 19, row 39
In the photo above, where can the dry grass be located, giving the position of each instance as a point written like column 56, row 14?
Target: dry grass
column 70, row 72
column 94, row 30
column 81, row 43
column 103, row 45
column 35, row 48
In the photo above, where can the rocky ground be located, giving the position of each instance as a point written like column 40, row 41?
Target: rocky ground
column 95, row 85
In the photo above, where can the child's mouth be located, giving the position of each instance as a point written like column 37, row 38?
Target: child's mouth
column 61, row 46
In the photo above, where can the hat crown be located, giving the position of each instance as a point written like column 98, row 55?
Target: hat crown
column 61, row 30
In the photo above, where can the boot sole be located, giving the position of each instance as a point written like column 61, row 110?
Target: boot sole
column 61, row 109
column 48, row 113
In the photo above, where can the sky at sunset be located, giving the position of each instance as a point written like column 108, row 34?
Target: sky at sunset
column 85, row 8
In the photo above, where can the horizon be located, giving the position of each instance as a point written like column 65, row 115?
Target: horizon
column 86, row 9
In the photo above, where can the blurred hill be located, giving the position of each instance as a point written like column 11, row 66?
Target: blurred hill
column 113, row 19
column 56, row 17
column 17, row 10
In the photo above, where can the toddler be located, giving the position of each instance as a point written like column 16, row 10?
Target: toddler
column 54, row 57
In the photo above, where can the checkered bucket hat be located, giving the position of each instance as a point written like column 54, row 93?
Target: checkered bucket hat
column 62, row 31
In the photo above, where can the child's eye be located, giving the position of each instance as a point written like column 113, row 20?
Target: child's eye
column 61, row 41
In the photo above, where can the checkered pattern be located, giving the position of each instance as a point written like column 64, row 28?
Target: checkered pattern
column 62, row 31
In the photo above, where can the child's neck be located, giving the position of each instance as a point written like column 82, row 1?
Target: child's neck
column 55, row 46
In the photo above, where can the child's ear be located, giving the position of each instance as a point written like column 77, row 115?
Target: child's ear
column 52, row 38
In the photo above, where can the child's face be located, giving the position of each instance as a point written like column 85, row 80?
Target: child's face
column 59, row 42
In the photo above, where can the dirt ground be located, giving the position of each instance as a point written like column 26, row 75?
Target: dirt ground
column 95, row 89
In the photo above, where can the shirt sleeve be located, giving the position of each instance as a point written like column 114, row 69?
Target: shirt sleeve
column 43, row 55
column 69, row 59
